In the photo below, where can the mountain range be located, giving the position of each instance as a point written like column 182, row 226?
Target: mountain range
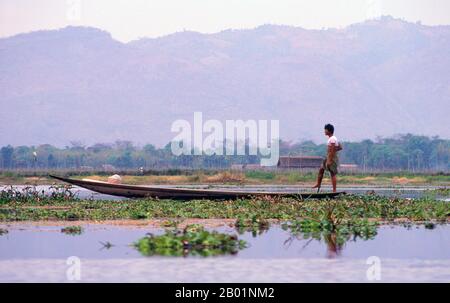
column 376, row 78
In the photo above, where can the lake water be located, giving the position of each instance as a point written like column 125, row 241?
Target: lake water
column 39, row 253
column 31, row 252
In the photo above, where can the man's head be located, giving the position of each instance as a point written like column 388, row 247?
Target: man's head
column 329, row 130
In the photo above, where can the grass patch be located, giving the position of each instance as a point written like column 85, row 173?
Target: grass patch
column 260, row 175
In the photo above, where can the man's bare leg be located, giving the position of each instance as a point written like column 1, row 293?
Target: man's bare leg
column 319, row 178
column 334, row 182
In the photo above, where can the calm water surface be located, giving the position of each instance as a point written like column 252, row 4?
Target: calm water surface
column 30, row 253
column 39, row 253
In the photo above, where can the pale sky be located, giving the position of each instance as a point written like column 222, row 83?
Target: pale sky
column 132, row 19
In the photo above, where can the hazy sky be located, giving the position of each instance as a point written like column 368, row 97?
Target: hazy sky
column 131, row 19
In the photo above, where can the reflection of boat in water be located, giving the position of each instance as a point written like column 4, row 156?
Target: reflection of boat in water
column 141, row 191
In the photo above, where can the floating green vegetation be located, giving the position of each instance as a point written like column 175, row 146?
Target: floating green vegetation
column 443, row 192
column 30, row 194
column 63, row 205
column 324, row 229
column 335, row 223
column 72, row 230
column 193, row 240
column 3, row 231
column 251, row 223
column 170, row 223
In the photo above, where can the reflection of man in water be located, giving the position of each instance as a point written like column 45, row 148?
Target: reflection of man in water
column 333, row 247
column 331, row 162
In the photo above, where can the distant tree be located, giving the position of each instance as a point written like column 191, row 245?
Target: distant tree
column 23, row 156
column 51, row 161
column 124, row 160
column 76, row 145
column 7, row 156
column 99, row 147
column 149, row 148
column 124, row 145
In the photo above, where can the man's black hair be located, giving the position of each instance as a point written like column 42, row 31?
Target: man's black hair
column 329, row 128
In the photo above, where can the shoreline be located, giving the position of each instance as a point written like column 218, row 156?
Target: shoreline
column 247, row 178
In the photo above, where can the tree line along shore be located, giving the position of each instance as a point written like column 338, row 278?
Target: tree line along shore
column 407, row 152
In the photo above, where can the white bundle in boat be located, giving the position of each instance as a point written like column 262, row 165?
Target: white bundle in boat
column 116, row 179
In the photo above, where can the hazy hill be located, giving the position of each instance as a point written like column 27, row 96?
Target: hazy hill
column 374, row 78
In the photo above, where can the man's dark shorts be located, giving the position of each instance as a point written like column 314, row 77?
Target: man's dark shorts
column 332, row 168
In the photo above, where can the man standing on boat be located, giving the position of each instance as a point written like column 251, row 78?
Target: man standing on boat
column 331, row 162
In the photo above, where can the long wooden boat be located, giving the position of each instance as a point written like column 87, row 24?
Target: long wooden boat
column 141, row 191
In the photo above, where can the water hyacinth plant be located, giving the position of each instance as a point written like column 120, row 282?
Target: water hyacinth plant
column 193, row 240
column 251, row 223
column 30, row 194
column 344, row 231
